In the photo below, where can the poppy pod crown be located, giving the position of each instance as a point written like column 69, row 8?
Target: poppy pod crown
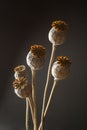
column 63, row 61
column 19, row 68
column 60, row 25
column 38, row 50
column 18, row 83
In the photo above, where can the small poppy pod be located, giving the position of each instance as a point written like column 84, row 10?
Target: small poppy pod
column 22, row 87
column 36, row 57
column 20, row 71
column 23, row 93
column 61, row 68
column 58, row 33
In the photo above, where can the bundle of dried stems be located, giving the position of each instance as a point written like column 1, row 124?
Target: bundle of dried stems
column 35, row 59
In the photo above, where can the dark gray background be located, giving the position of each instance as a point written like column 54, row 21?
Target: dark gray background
column 25, row 23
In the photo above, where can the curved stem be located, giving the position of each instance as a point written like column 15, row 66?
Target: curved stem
column 47, row 82
column 27, row 113
column 49, row 100
column 34, row 98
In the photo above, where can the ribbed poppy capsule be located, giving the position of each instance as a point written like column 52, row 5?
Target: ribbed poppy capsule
column 58, row 32
column 20, row 71
column 61, row 68
column 22, row 87
column 36, row 57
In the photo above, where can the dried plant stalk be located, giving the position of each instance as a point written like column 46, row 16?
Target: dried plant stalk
column 47, row 82
column 31, row 107
column 27, row 114
column 34, row 98
column 49, row 101
column 50, row 97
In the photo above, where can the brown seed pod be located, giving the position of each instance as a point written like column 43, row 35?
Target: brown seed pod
column 61, row 68
column 20, row 71
column 58, row 33
column 36, row 57
column 22, row 87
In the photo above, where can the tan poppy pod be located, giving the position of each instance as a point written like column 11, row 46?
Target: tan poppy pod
column 22, row 87
column 61, row 68
column 58, row 32
column 20, row 71
column 23, row 93
column 36, row 57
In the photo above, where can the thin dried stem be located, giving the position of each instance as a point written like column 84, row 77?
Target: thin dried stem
column 34, row 98
column 47, row 82
column 50, row 97
column 31, row 107
column 27, row 114
column 49, row 100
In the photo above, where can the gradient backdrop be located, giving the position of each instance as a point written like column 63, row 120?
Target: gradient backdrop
column 25, row 23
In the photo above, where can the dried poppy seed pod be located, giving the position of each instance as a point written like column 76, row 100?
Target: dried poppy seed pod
column 22, row 87
column 57, row 34
column 61, row 68
column 36, row 57
column 20, row 71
